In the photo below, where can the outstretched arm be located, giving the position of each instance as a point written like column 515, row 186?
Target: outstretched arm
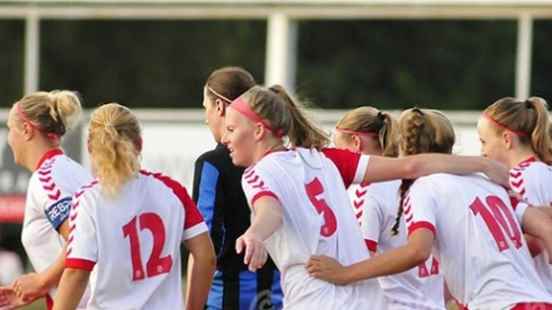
column 268, row 218
column 415, row 166
column 71, row 288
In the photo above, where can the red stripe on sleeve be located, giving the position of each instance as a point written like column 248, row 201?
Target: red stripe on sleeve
column 421, row 224
column 263, row 194
column 78, row 263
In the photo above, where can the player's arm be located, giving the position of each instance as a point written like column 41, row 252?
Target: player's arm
column 415, row 252
column 201, row 267
column 71, row 288
column 538, row 224
column 268, row 218
column 412, row 167
column 33, row 285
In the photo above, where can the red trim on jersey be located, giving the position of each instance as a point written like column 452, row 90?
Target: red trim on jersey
column 263, row 194
column 371, row 245
column 49, row 302
column 77, row 263
column 525, row 163
column 421, row 224
column 345, row 161
column 193, row 217
column 49, row 154
column 532, row 305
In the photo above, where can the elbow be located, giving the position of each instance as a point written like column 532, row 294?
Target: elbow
column 413, row 167
column 418, row 255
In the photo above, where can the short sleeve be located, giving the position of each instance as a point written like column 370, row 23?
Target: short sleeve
column 519, row 206
column 419, row 208
column 351, row 166
column 82, row 244
column 372, row 222
column 193, row 221
column 524, row 186
column 257, row 183
column 50, row 197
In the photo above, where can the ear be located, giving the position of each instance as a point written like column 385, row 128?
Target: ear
column 259, row 131
column 508, row 139
column 357, row 143
column 28, row 131
column 220, row 106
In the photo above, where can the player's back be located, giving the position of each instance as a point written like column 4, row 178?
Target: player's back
column 421, row 287
column 317, row 221
column 138, row 236
column 479, row 241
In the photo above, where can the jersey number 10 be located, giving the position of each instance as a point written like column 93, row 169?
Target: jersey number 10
column 156, row 264
column 499, row 219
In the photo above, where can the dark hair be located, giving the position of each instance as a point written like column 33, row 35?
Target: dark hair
column 228, row 83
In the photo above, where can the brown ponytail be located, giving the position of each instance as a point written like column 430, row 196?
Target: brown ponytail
column 529, row 118
column 421, row 131
column 371, row 120
column 285, row 115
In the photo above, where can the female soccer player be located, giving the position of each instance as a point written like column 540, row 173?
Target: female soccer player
column 127, row 225
column 467, row 221
column 220, row 198
column 372, row 132
column 516, row 133
column 36, row 124
column 297, row 196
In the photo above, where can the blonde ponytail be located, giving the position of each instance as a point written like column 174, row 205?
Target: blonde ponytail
column 541, row 142
column 114, row 144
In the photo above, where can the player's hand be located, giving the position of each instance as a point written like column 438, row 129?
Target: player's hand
column 498, row 173
column 9, row 300
column 255, row 253
column 30, row 286
column 327, row 269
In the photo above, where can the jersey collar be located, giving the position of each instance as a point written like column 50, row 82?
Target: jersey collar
column 49, row 154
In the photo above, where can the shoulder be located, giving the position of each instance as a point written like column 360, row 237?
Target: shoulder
column 216, row 156
column 168, row 183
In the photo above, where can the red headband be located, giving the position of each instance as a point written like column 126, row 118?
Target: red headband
column 243, row 107
column 22, row 115
column 358, row 133
column 500, row 125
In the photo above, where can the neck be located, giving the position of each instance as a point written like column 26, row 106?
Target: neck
column 520, row 155
column 266, row 147
column 35, row 153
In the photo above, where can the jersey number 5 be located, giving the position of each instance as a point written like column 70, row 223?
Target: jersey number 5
column 499, row 219
column 314, row 189
column 156, row 264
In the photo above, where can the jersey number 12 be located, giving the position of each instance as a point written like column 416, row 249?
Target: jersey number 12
column 156, row 264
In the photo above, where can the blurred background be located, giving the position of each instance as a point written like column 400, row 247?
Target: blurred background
column 154, row 56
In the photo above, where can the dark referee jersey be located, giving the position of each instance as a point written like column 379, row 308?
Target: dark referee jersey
column 218, row 194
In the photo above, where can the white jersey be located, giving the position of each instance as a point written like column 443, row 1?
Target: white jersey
column 531, row 180
column 316, row 221
column 47, row 206
column 131, row 243
column 376, row 206
column 478, row 239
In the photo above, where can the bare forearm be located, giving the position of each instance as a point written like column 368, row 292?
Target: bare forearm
column 267, row 220
column 444, row 163
column 387, row 263
column 72, row 286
